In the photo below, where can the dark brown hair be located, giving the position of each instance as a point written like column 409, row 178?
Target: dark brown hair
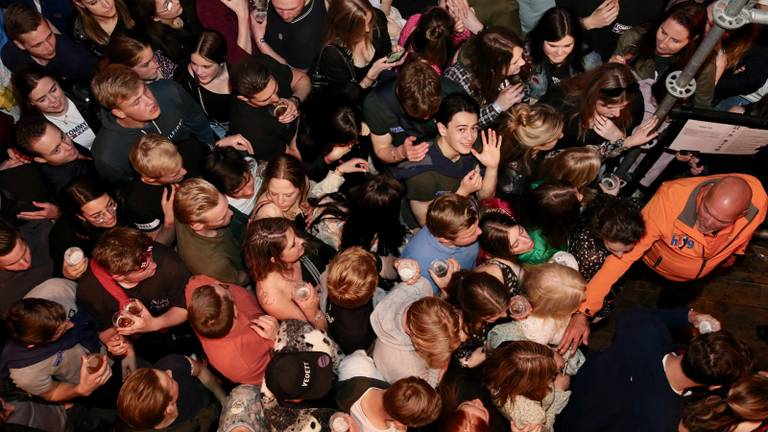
column 717, row 358
column 346, row 22
column 491, row 51
column 418, row 89
column 519, row 368
column 449, row 214
column 479, row 296
column 20, row 19
column 412, row 402
column 264, row 245
column 286, row 167
column 121, row 250
column 494, row 238
column 584, row 91
column 92, row 28
column 432, row 39
column 35, row 320
column 746, row 400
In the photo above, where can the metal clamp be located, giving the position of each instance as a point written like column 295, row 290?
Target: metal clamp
column 731, row 22
column 677, row 91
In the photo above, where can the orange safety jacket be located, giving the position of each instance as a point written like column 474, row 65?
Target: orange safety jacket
column 672, row 246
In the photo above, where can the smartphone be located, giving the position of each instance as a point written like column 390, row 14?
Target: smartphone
column 395, row 56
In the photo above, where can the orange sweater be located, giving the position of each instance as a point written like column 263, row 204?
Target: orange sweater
column 672, row 246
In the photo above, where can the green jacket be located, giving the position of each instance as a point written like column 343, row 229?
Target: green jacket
column 644, row 68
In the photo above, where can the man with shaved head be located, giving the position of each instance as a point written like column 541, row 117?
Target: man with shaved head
column 692, row 226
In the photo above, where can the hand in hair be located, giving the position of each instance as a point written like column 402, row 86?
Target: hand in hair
column 237, row 142
column 643, row 133
column 602, row 16
column 491, row 154
column 471, row 183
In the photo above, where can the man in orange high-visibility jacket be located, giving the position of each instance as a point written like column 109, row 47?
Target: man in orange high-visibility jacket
column 692, row 225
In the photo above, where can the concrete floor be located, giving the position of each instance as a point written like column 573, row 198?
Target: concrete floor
column 738, row 297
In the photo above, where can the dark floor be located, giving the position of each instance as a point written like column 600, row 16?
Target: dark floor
column 737, row 297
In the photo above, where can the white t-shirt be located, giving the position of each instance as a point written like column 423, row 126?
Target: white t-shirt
column 245, row 205
column 74, row 125
column 356, row 411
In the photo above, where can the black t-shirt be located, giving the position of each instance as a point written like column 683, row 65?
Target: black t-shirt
column 216, row 106
column 192, row 395
column 143, row 205
column 268, row 136
column 298, row 41
column 158, row 293
column 350, row 328
column 631, row 13
column 20, row 186
column 59, row 177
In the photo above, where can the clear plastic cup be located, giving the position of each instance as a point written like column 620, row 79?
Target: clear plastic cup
column 302, row 292
column 133, row 307
column 439, row 267
column 519, row 307
column 278, row 109
column 122, row 320
column 705, row 327
column 73, row 255
column 94, row 362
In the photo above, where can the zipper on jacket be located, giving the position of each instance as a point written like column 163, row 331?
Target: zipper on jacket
column 703, row 262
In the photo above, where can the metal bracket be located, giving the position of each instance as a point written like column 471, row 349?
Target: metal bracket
column 731, row 22
column 675, row 90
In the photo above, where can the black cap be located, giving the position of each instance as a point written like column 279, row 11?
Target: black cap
column 299, row 375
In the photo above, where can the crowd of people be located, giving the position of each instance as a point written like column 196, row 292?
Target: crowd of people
column 354, row 215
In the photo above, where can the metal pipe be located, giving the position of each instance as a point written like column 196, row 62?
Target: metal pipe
column 757, row 16
column 701, row 54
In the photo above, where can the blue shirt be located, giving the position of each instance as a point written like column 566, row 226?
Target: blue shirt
column 425, row 248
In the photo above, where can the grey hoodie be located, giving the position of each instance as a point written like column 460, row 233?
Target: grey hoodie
column 393, row 353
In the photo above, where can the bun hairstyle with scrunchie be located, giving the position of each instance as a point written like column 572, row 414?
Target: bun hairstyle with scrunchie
column 432, row 39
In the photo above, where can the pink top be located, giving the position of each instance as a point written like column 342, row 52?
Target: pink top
column 413, row 22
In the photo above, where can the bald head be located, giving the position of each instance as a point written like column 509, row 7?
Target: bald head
column 723, row 203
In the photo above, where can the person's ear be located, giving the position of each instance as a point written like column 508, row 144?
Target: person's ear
column 242, row 98
column 714, row 387
column 117, row 112
column 19, row 45
column 149, row 180
column 580, row 196
column 39, row 160
column 197, row 226
column 118, row 278
column 442, row 129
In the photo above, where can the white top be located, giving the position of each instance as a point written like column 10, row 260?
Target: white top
column 356, row 411
column 74, row 125
column 245, row 205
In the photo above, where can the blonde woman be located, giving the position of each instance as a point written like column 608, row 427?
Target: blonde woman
column 527, row 131
column 555, row 293
column 416, row 333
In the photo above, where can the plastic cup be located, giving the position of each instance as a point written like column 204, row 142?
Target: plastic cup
column 705, row 327
column 406, row 273
column 133, row 307
column 279, row 109
column 73, row 255
column 519, row 307
column 122, row 320
column 439, row 267
column 94, row 362
column 301, row 292
column 339, row 423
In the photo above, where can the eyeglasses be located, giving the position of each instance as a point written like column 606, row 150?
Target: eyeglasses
column 108, row 211
column 615, row 92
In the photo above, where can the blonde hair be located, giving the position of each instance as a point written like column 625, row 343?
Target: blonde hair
column 578, row 166
column 435, row 330
column 352, row 277
column 154, row 156
column 554, row 290
column 526, row 127
column 194, row 197
column 114, row 84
